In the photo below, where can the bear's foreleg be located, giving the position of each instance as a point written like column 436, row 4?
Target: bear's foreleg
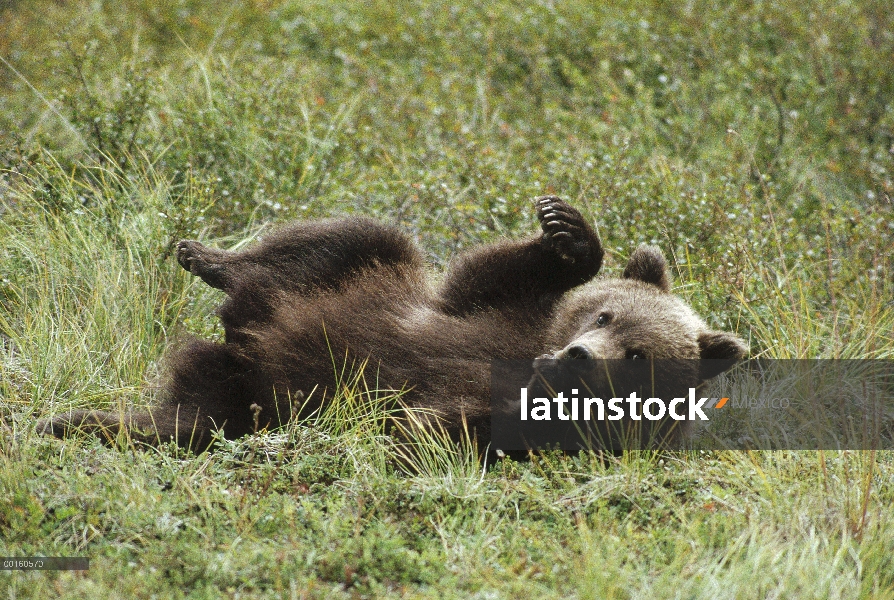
column 531, row 273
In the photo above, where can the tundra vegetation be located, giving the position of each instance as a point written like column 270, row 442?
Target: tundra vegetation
column 751, row 141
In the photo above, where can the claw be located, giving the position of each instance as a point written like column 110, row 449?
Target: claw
column 573, row 229
column 553, row 213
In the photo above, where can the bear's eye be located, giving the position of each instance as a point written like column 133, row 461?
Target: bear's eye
column 635, row 354
column 603, row 319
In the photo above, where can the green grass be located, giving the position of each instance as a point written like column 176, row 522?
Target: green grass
column 751, row 141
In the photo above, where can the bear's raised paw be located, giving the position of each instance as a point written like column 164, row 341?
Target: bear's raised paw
column 565, row 233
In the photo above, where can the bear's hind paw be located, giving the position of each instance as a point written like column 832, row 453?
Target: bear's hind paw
column 200, row 261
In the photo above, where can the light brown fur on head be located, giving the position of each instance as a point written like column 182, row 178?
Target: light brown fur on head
column 637, row 316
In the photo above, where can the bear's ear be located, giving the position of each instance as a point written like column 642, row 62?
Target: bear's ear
column 648, row 265
column 719, row 352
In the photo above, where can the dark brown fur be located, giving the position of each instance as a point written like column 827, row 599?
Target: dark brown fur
column 317, row 299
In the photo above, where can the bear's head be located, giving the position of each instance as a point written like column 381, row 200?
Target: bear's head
column 637, row 317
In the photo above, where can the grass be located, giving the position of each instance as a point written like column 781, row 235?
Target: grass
column 751, row 141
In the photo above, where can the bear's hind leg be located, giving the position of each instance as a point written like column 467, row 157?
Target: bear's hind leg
column 215, row 386
column 210, row 387
column 215, row 267
column 105, row 425
column 302, row 257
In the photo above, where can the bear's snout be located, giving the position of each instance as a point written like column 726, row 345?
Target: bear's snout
column 575, row 351
column 591, row 345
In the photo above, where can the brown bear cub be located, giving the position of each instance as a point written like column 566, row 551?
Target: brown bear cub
column 316, row 299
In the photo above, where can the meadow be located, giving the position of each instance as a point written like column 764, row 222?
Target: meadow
column 752, row 141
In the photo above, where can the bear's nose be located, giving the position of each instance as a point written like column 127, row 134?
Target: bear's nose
column 577, row 351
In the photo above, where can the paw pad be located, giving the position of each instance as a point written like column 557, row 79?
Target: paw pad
column 564, row 229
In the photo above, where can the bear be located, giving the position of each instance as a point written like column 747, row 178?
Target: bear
column 317, row 299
